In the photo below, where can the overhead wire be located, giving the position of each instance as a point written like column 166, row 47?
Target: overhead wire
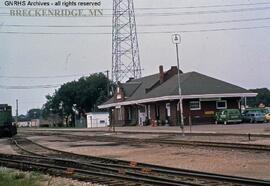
column 202, row 6
column 203, row 12
column 140, row 32
column 140, row 25
column 29, row 87
column 42, row 77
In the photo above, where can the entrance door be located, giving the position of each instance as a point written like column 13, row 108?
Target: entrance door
column 142, row 115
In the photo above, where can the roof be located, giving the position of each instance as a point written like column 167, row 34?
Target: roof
column 193, row 85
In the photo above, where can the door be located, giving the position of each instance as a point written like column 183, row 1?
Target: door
column 142, row 115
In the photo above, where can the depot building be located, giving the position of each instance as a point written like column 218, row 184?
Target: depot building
column 155, row 99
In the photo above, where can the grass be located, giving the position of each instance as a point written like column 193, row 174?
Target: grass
column 10, row 177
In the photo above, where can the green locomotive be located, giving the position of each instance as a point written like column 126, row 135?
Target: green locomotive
column 6, row 126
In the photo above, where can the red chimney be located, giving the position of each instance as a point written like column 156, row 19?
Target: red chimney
column 161, row 74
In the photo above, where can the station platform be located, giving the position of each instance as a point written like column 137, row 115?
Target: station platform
column 233, row 129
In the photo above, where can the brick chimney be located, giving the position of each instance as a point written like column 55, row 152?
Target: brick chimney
column 161, row 74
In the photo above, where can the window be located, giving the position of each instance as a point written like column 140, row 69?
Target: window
column 119, row 96
column 168, row 109
column 129, row 113
column 142, row 109
column 222, row 104
column 195, row 105
column 119, row 114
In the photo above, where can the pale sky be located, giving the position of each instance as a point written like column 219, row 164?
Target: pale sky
column 233, row 52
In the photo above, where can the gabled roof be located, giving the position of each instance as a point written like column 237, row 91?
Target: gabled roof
column 193, row 85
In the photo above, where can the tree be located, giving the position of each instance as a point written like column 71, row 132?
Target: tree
column 262, row 97
column 34, row 114
column 83, row 96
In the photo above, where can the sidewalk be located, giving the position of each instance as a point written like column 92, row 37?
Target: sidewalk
column 244, row 129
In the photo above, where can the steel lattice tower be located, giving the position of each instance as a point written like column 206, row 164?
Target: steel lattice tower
column 125, row 49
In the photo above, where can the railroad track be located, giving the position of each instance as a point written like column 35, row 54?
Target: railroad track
column 236, row 146
column 239, row 146
column 111, row 171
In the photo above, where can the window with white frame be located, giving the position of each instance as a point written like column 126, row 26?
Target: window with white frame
column 195, row 105
column 221, row 104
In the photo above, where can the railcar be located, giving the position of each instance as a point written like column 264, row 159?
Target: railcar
column 7, row 128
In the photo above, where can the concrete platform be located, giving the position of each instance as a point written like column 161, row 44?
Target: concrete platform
column 241, row 129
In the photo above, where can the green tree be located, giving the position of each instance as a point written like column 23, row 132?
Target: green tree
column 81, row 96
column 262, row 97
column 34, row 114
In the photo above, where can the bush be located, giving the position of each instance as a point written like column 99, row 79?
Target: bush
column 9, row 177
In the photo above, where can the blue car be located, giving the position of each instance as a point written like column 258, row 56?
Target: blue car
column 254, row 117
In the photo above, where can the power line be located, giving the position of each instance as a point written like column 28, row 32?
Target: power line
column 142, row 32
column 204, row 12
column 59, row 26
column 206, row 22
column 203, row 6
column 141, row 25
column 49, row 77
column 42, row 77
column 39, row 86
column 207, row 30
column 29, row 87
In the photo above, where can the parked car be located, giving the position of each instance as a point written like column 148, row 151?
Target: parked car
column 254, row 117
column 267, row 117
column 228, row 116
column 268, row 109
column 256, row 109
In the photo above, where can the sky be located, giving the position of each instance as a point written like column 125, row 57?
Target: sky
column 228, row 40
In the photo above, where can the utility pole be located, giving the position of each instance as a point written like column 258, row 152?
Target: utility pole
column 176, row 38
column 108, row 94
column 108, row 83
column 17, row 111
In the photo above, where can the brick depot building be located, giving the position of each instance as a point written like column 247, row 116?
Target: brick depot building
column 155, row 99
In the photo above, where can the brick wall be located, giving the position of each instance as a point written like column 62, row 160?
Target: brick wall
column 204, row 115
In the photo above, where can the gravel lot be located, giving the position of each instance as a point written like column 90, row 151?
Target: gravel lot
column 223, row 161
column 216, row 160
column 5, row 147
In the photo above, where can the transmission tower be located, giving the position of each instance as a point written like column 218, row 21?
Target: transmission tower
column 125, row 49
